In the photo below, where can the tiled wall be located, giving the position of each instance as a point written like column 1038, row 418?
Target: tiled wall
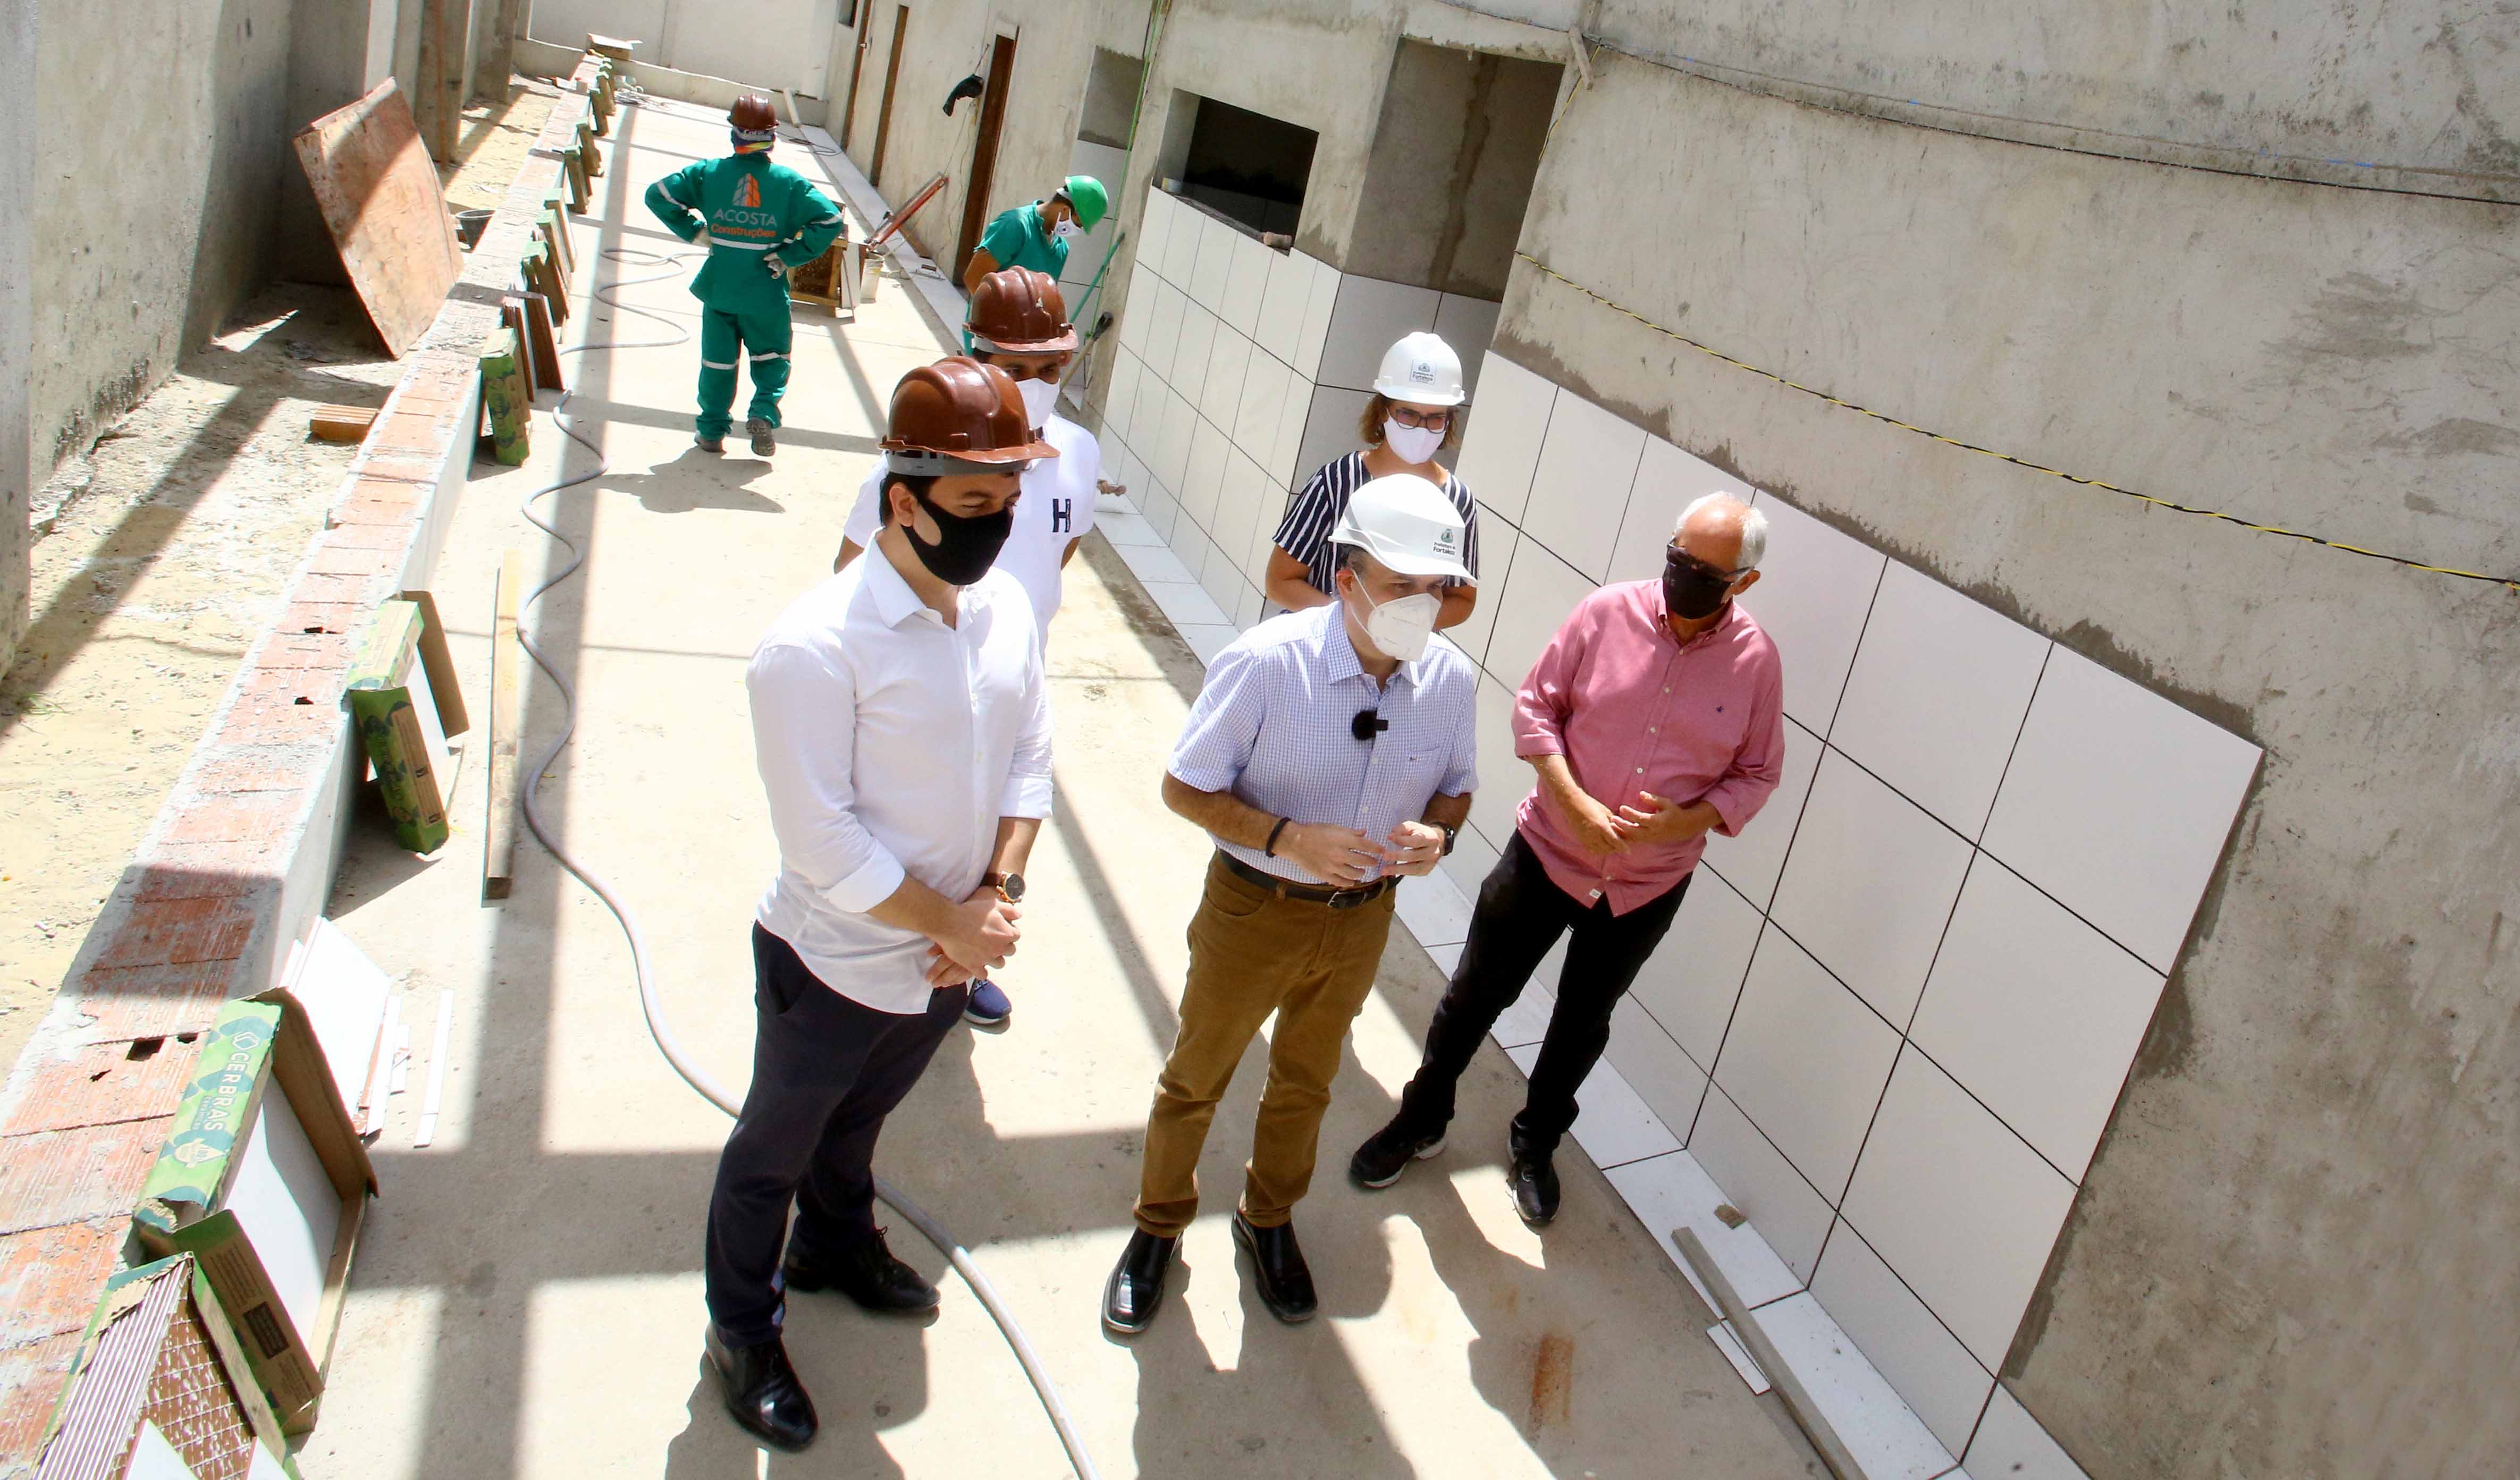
column 1895, row 1013
column 1240, row 370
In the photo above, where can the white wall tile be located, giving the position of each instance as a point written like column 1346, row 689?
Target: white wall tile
column 1815, row 588
column 1611, row 1124
column 1207, row 641
column 1214, row 265
column 1246, row 283
column 1154, row 229
column 1579, row 491
column 1155, row 563
column 1959, row 1205
column 1223, row 581
column 1497, row 540
column 1246, row 611
column 1254, row 422
column 1694, row 978
column 2011, row 1445
column 1500, row 441
column 1662, row 1076
column 1164, row 329
column 1191, row 355
column 1805, row 1061
column 1435, row 911
column 1143, row 283
column 1937, row 694
column 1539, row 592
column 1163, row 510
column 1185, row 606
column 1243, row 505
column 2063, row 820
column 1282, row 301
column 1758, row 1179
column 1751, row 860
column 2036, row 1013
column 1668, row 480
column 1269, row 509
column 1229, row 362
column 1503, row 782
column 1205, row 481
column 1883, row 1435
column 1371, row 314
column 1120, row 394
column 1322, row 299
column 1330, row 431
column 1169, row 456
column 1468, row 325
column 1192, row 545
column 1292, row 419
column 1673, row 1192
column 1468, row 864
column 1925, row 1364
column 1868, row 886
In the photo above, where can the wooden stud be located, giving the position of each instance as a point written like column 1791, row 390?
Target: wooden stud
column 593, row 156
column 507, row 728
column 580, row 194
column 546, row 344
column 506, row 398
column 556, row 232
column 512, row 311
column 340, row 423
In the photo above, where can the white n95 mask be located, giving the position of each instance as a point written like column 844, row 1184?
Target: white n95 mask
column 1401, row 628
column 1040, row 398
column 1068, row 232
column 1414, row 444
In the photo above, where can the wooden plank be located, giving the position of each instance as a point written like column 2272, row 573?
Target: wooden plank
column 505, row 399
column 593, row 156
column 1797, row 1398
column 507, row 728
column 437, row 661
column 381, row 201
column 340, row 423
column 538, row 328
column 512, row 312
column 580, row 194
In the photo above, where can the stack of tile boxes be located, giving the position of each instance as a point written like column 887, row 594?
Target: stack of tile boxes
column 1895, row 1014
column 1240, row 370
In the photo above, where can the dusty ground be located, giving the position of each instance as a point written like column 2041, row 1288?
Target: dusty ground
column 158, row 555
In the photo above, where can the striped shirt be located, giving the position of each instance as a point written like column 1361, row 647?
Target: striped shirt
column 1305, row 533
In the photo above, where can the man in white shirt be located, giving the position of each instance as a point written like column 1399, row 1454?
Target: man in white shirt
column 1018, row 323
column 902, row 726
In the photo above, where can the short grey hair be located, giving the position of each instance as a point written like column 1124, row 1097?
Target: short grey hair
column 1754, row 527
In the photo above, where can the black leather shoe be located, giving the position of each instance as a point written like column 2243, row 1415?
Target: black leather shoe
column 867, row 1273
column 1136, row 1288
column 762, row 1393
column 1532, row 1179
column 1285, row 1282
column 1387, row 1152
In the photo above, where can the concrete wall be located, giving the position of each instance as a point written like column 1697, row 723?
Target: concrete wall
column 18, row 33
column 338, row 50
column 1449, row 178
column 150, row 223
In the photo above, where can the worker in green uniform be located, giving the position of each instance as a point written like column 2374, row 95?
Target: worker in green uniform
column 1038, row 236
column 759, row 219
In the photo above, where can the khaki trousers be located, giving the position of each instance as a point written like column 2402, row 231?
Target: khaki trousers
column 1251, row 954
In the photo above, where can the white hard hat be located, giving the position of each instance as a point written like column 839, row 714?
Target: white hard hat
column 1421, row 369
column 1408, row 525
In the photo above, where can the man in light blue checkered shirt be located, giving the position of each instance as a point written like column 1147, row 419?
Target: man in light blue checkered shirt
column 1330, row 756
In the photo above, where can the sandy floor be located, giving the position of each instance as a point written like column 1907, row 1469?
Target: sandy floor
column 157, row 559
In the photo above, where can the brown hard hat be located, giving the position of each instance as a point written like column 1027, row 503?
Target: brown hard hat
column 1018, row 310
column 752, row 112
column 964, row 412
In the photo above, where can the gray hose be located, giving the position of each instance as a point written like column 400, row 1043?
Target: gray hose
column 649, row 1005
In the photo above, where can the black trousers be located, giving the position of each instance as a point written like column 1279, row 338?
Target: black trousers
column 826, row 1071
column 1519, row 916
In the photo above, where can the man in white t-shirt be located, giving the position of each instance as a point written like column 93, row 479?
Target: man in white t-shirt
column 1018, row 323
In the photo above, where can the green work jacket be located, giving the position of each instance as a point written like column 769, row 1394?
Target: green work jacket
column 750, row 207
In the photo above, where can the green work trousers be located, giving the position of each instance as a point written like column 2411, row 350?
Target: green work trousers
column 765, row 335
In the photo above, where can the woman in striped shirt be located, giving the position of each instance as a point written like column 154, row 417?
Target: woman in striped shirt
column 1416, row 411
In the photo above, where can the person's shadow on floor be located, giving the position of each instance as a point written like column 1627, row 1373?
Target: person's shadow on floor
column 698, row 479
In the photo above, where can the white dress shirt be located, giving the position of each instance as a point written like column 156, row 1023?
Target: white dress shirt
column 1056, row 506
column 890, row 744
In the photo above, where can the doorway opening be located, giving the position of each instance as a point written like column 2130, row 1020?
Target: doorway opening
column 984, row 150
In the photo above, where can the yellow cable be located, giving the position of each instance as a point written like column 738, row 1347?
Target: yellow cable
column 2157, row 502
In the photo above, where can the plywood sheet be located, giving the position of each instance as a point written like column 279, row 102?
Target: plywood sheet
column 378, row 193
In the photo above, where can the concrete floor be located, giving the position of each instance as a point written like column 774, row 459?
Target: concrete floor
column 526, row 1300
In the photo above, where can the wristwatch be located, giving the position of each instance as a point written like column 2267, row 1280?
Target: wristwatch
column 1009, row 886
column 1451, row 835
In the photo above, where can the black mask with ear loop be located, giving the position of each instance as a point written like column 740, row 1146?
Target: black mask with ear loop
column 1690, row 591
column 965, row 546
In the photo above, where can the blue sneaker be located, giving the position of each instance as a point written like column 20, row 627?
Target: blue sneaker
column 988, row 1006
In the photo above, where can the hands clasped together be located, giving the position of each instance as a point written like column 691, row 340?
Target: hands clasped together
column 1648, row 821
column 983, row 935
column 1342, row 856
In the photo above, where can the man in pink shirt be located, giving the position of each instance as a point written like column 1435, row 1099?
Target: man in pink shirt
column 1654, row 716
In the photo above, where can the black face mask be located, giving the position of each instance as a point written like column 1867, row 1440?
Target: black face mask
column 965, row 546
column 1689, row 591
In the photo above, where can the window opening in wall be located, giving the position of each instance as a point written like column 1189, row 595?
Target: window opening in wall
column 1448, row 178
column 1110, row 101
column 1245, row 165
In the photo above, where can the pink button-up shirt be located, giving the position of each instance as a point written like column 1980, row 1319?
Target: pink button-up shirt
column 1633, row 710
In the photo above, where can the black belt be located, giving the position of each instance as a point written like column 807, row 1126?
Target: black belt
column 1319, row 894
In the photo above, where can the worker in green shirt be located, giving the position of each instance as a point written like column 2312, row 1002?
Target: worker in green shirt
column 759, row 219
column 1038, row 236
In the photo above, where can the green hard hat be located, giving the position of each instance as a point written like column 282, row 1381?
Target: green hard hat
column 1091, row 200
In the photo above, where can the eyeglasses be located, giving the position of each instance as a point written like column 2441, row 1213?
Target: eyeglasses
column 1424, row 420
column 1691, row 563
